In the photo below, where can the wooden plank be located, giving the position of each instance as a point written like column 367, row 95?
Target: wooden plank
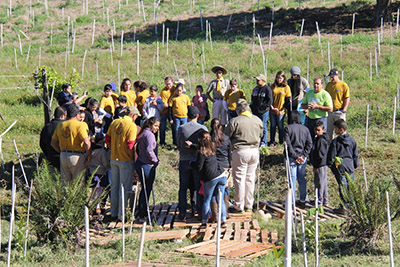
column 274, row 237
column 228, row 234
column 264, row 236
column 261, row 252
column 253, row 236
column 167, row 235
column 156, row 211
column 185, row 224
column 238, row 249
column 244, row 234
column 194, row 232
column 187, row 248
column 256, row 226
column 170, row 217
column 163, row 214
column 246, row 225
column 252, row 248
column 236, row 235
column 211, row 249
column 235, row 246
column 208, row 234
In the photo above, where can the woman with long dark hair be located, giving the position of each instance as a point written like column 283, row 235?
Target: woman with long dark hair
column 147, row 161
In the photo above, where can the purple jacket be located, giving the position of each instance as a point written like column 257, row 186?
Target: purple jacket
column 147, row 147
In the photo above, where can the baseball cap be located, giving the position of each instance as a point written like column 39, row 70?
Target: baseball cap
column 295, row 70
column 333, row 72
column 260, row 77
column 193, row 112
column 130, row 110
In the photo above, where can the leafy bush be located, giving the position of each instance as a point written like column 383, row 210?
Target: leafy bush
column 367, row 212
column 58, row 208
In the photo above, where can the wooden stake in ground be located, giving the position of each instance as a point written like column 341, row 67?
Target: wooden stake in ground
column 270, row 36
column 158, row 53
column 366, row 127
column 303, row 239
column 167, row 39
column 229, row 23
column 15, row 59
column 389, row 230
column 209, row 33
column 365, row 175
column 122, row 43
column 108, row 17
column 258, row 186
column 376, row 63
column 394, row 115
column 111, row 56
column 1, row 138
column 123, row 221
column 163, row 34
column 135, row 190
column 97, row 73
column 397, row 21
column 319, row 34
column 1, row 35
column 118, row 74
column 20, row 163
column 308, row 67
column 316, row 229
column 144, row 14
column 379, row 43
column 329, row 56
column 302, row 26
column 40, row 55
column 137, row 57
column 20, row 44
column 201, row 19
column 83, row 63
column 87, row 236
column 252, row 54
column 93, row 30
column 288, row 228
column 370, row 67
column 27, row 53
column 13, row 186
column 134, row 33
column 142, row 237
column 352, row 24
column 262, row 53
column 218, row 232
column 177, row 30
column 341, row 48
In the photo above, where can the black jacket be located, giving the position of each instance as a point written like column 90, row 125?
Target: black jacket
column 298, row 140
column 224, row 153
column 45, row 142
column 261, row 99
column 207, row 166
column 319, row 152
column 344, row 146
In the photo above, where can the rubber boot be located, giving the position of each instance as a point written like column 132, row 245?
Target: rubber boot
column 214, row 211
column 226, row 200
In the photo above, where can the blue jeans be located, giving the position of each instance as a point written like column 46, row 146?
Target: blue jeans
column 298, row 172
column 177, row 122
column 211, row 188
column 188, row 177
column 149, row 173
column 276, row 120
column 342, row 180
column 310, row 124
column 163, row 128
column 264, row 117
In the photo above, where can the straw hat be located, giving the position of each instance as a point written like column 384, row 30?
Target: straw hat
column 219, row 67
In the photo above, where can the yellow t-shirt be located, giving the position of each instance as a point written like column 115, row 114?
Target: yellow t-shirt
column 231, row 97
column 279, row 94
column 165, row 96
column 179, row 105
column 339, row 92
column 107, row 103
column 114, row 97
column 141, row 98
column 121, row 131
column 70, row 135
column 130, row 97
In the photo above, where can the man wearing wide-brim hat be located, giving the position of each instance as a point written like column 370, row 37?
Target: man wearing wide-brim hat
column 218, row 88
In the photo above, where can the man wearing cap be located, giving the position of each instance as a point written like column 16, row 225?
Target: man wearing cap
column 121, row 138
column 187, row 176
column 165, row 95
column 340, row 94
column 71, row 140
column 298, row 86
column 218, row 87
column 245, row 132
column 261, row 100
column 319, row 104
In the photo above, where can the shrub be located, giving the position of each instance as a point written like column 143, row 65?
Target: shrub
column 367, row 212
column 58, row 209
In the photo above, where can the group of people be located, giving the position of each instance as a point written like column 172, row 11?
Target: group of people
column 116, row 139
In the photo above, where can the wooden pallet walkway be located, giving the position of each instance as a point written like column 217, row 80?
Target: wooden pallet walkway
column 230, row 249
column 277, row 209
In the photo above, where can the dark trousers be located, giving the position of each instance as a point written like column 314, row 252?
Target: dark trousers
column 188, row 177
column 149, row 173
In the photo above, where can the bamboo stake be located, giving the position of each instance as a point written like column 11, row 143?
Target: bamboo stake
column 87, row 236
column 290, row 187
column 190, row 83
column 158, row 52
column 111, row 56
column 302, row 25
column 52, row 93
column 319, row 34
column 83, row 63
column 167, row 39
column 192, row 54
column 258, row 186
column 137, row 57
column 40, row 55
column 135, row 189
column 201, row 19
column 27, row 54
column 397, row 21
column 27, row 218
column 394, row 115
column 123, row 220
column 138, row 7
column 108, row 17
column 329, row 56
column 177, row 30
column 142, row 237
column 20, row 163
column 209, row 33
column 379, row 44
column 352, row 24
column 366, row 127
column 370, row 67
column 15, row 59
column 252, row 54
column 365, row 175
column 12, row 216
column 163, row 34
column 97, row 73
column 389, row 230
column 308, row 66
column 288, row 228
column 20, row 44
column 1, row 35
column 341, row 48
column 134, row 33
column 270, row 36
column 118, row 73
column 73, row 40
column 202, row 68
column 218, row 233
column 381, row 28
column 262, row 53
column 254, row 26
column 122, row 42
column 376, row 63
column 51, row 34
column 144, row 14
column 229, row 23
column 93, row 30
column 303, row 238
column 119, row 5
column 316, row 229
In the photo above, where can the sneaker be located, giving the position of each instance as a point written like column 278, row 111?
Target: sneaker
column 233, row 210
column 182, row 217
column 203, row 226
column 262, row 144
column 248, row 210
column 340, row 210
column 271, row 145
column 300, row 204
column 224, row 225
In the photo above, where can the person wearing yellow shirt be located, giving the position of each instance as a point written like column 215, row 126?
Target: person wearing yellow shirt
column 281, row 95
column 121, row 138
column 141, row 94
column 107, row 103
column 340, row 94
column 231, row 96
column 126, row 86
column 165, row 95
column 71, row 140
column 218, row 88
column 177, row 110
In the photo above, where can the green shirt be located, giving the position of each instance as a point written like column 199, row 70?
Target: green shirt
column 322, row 98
